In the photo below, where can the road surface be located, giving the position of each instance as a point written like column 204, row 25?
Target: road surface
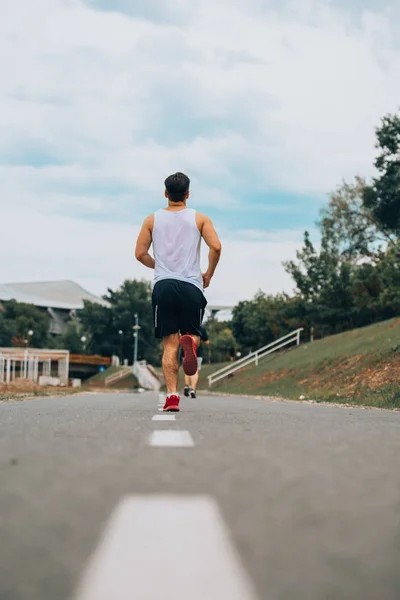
column 234, row 499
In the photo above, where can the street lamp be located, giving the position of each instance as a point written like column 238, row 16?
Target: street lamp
column 121, row 333
column 136, row 328
column 30, row 334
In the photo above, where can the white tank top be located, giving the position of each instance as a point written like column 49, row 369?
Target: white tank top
column 176, row 246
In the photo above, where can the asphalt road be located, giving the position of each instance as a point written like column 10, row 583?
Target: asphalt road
column 309, row 494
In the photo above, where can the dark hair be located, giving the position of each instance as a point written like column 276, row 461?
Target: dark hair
column 177, row 187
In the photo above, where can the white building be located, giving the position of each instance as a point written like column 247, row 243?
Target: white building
column 61, row 299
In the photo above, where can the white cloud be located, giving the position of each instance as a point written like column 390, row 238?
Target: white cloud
column 40, row 247
column 243, row 95
column 302, row 88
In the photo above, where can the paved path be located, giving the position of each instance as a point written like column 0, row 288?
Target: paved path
column 235, row 499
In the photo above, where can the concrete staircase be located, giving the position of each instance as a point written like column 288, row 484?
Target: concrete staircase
column 147, row 376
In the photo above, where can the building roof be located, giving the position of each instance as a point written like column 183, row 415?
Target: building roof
column 66, row 295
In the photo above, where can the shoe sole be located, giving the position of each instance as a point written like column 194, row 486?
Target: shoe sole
column 189, row 364
column 172, row 409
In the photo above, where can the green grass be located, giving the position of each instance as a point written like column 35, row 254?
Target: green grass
column 129, row 381
column 357, row 367
column 102, row 375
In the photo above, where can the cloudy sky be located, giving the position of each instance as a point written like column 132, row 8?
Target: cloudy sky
column 266, row 104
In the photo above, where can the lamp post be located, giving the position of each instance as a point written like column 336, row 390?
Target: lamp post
column 121, row 333
column 136, row 328
column 30, row 334
column 83, row 340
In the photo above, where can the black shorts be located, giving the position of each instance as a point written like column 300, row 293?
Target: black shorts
column 178, row 307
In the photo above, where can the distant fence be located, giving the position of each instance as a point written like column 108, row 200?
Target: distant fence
column 254, row 357
column 122, row 373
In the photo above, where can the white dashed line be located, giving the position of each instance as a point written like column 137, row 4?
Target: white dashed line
column 171, row 438
column 166, row 548
column 164, row 418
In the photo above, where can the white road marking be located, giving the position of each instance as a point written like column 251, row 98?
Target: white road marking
column 171, row 438
column 166, row 548
column 164, row 418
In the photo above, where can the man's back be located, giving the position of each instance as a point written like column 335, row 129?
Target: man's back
column 176, row 245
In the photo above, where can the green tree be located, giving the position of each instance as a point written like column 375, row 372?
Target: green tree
column 383, row 196
column 71, row 339
column 223, row 345
column 7, row 330
column 18, row 319
column 97, row 326
column 101, row 324
column 318, row 274
column 323, row 280
column 349, row 223
column 387, row 274
column 257, row 322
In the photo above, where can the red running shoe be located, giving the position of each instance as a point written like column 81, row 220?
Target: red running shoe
column 171, row 404
column 189, row 355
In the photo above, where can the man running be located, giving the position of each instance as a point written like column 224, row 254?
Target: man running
column 192, row 381
column 178, row 299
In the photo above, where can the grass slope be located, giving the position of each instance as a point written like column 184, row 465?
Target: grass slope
column 358, row 367
column 97, row 380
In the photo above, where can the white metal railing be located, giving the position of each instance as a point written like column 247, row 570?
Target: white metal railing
column 254, row 357
column 120, row 374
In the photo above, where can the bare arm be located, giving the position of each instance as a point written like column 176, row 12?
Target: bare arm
column 144, row 242
column 211, row 239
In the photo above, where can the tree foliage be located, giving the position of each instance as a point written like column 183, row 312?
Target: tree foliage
column 101, row 324
column 257, row 322
column 18, row 319
column 349, row 223
column 382, row 197
column 223, row 345
column 72, row 339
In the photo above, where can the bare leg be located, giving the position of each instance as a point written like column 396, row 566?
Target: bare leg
column 191, row 381
column 170, row 362
column 194, row 380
